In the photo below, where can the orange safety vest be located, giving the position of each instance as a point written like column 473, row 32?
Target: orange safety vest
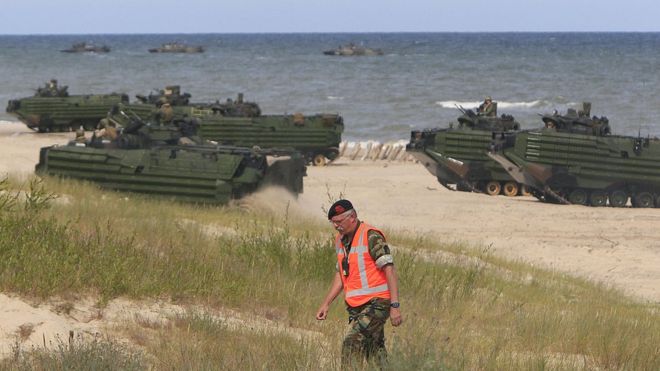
column 364, row 281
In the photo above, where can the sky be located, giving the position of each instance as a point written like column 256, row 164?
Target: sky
column 299, row 16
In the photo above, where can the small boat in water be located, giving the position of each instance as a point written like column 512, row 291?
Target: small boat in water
column 176, row 47
column 86, row 48
column 353, row 50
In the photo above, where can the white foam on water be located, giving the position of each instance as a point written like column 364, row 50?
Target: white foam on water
column 532, row 104
column 454, row 103
column 332, row 97
column 540, row 103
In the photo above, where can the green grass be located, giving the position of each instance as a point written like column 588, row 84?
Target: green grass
column 82, row 356
column 476, row 312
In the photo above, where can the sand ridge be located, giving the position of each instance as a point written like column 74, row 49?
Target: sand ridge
column 619, row 247
column 615, row 246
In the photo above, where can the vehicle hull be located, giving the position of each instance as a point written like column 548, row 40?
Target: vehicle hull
column 568, row 167
column 458, row 158
column 51, row 114
column 203, row 174
column 314, row 136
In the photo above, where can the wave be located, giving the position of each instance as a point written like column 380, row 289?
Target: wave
column 331, row 97
column 540, row 103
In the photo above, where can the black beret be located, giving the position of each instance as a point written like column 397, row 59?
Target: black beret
column 339, row 207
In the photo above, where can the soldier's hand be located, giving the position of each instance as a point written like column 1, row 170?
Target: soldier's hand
column 322, row 313
column 395, row 316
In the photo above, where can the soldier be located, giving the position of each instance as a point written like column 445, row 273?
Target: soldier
column 188, row 127
column 52, row 87
column 80, row 136
column 165, row 112
column 49, row 89
column 487, row 108
column 106, row 129
column 365, row 272
column 298, row 119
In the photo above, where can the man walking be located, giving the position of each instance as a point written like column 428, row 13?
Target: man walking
column 365, row 272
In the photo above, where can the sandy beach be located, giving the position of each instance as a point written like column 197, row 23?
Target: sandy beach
column 619, row 247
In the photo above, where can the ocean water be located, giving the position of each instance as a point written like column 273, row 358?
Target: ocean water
column 417, row 83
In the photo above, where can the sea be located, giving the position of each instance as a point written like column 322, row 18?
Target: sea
column 420, row 82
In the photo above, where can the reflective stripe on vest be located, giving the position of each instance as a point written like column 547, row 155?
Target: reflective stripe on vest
column 372, row 282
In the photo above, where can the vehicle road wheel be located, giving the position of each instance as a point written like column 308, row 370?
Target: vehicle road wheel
column 510, row 189
column 657, row 201
column 332, row 154
column 618, row 198
column 524, row 190
column 598, row 198
column 578, row 196
column 463, row 187
column 493, row 188
column 319, row 160
column 643, row 199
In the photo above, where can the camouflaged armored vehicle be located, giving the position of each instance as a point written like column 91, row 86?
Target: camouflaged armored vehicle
column 240, row 123
column 53, row 109
column 86, row 48
column 148, row 158
column 458, row 156
column 471, row 120
column 176, row 47
column 171, row 94
column 575, row 160
column 578, row 121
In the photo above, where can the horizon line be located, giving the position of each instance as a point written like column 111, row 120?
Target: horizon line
column 319, row 33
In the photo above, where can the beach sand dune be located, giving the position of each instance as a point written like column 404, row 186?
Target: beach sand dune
column 619, row 247
column 615, row 246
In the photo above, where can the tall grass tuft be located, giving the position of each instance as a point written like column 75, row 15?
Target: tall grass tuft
column 196, row 341
column 463, row 307
column 78, row 356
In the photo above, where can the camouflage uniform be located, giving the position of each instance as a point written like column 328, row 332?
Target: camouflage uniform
column 52, row 88
column 80, row 135
column 165, row 113
column 365, row 336
column 188, row 128
column 487, row 108
column 106, row 129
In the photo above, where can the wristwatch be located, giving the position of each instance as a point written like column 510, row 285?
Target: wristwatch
column 395, row 304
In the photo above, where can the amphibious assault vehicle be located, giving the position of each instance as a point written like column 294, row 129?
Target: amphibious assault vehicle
column 353, row 50
column 174, row 97
column 240, row 123
column 176, row 47
column 146, row 158
column 317, row 137
column 458, row 157
column 171, row 94
column 575, row 160
column 53, row 109
column 86, row 48
column 578, row 122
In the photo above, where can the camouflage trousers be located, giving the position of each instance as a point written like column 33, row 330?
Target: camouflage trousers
column 365, row 338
